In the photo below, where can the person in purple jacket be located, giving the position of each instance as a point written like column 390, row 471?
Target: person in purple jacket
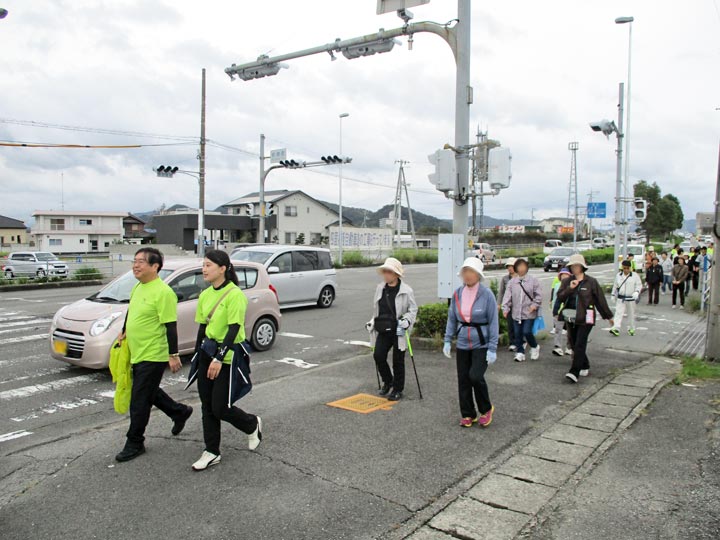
column 473, row 321
column 522, row 301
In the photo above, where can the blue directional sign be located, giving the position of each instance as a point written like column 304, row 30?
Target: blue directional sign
column 596, row 210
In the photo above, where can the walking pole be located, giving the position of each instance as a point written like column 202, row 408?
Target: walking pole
column 412, row 359
column 377, row 373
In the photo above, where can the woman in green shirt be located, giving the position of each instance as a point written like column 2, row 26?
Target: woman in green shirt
column 221, row 315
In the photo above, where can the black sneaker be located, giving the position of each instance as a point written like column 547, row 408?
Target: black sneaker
column 129, row 453
column 179, row 425
column 395, row 396
column 385, row 390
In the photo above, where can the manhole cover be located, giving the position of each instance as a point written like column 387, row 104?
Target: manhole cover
column 363, row 403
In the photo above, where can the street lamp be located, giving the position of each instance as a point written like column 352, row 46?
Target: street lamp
column 340, row 173
column 628, row 21
column 168, row 171
column 607, row 128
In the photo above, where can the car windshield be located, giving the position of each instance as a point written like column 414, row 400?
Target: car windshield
column 46, row 256
column 118, row 292
column 252, row 255
column 561, row 252
column 635, row 250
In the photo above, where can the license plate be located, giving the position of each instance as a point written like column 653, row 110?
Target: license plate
column 554, row 265
column 60, row 347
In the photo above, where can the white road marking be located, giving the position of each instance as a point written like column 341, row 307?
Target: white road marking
column 17, row 318
column 292, row 335
column 14, row 435
column 24, row 300
column 23, row 338
column 56, row 407
column 297, row 363
column 360, row 343
column 26, row 391
column 25, row 326
column 35, row 375
column 29, row 320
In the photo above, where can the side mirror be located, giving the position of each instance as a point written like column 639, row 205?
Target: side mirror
column 180, row 296
column 274, row 270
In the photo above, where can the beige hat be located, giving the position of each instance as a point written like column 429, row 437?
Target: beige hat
column 473, row 263
column 392, row 264
column 651, row 249
column 577, row 259
column 510, row 261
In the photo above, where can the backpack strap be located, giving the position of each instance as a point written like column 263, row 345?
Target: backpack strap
column 217, row 304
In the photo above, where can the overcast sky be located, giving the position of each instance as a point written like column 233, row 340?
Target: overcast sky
column 540, row 71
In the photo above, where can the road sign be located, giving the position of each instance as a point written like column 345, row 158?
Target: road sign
column 278, row 155
column 566, row 230
column 596, row 210
column 389, row 6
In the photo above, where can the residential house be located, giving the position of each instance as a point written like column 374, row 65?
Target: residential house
column 77, row 232
column 295, row 213
column 12, row 232
column 135, row 232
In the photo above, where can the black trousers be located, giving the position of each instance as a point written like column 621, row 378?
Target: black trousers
column 695, row 280
column 383, row 344
column 214, row 399
column 511, row 329
column 679, row 288
column 146, row 392
column 471, row 367
column 653, row 293
column 578, row 335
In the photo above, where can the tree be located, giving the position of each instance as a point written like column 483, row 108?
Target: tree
column 664, row 213
column 300, row 239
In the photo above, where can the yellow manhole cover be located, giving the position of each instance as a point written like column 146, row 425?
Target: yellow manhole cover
column 363, row 403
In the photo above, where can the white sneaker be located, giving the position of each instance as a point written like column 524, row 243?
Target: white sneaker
column 564, row 332
column 682, row 307
column 570, row 377
column 535, row 353
column 256, row 436
column 557, row 351
column 569, row 351
column 663, row 293
column 512, row 348
column 584, row 372
column 519, row 357
column 208, row 459
column 673, row 306
column 552, row 332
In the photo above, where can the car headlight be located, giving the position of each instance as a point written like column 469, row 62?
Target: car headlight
column 547, row 259
column 566, row 259
column 102, row 324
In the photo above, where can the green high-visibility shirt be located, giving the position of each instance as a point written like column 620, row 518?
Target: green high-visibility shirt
column 152, row 305
column 230, row 311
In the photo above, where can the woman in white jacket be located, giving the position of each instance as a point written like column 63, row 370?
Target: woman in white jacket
column 394, row 313
column 626, row 291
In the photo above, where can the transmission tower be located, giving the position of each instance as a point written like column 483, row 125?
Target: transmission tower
column 401, row 189
column 572, row 190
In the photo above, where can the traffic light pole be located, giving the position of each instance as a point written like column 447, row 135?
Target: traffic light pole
column 463, row 99
column 261, row 193
column 201, row 209
column 712, row 339
column 619, row 176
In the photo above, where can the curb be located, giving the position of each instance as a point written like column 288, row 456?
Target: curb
column 50, row 285
column 524, row 483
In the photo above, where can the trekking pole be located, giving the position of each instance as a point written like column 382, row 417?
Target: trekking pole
column 412, row 359
column 377, row 373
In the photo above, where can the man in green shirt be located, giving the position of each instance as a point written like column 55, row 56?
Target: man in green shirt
column 151, row 331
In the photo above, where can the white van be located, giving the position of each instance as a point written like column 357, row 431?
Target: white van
column 550, row 245
column 302, row 275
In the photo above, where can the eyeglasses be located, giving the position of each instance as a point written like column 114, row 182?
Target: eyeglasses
column 139, row 261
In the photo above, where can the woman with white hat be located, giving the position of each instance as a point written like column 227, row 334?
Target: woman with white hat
column 581, row 296
column 510, row 267
column 394, row 312
column 473, row 320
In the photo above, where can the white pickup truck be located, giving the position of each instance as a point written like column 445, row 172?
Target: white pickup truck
column 33, row 263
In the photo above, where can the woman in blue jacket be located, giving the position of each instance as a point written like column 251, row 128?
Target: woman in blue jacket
column 473, row 320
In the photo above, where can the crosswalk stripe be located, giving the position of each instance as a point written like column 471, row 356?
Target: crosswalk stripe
column 21, row 339
column 26, row 391
column 24, row 327
column 14, row 435
column 15, row 318
column 25, row 322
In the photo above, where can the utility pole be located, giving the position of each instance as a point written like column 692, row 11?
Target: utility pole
column 201, row 210
column 397, row 206
column 712, row 339
column 261, row 193
column 620, row 134
column 532, row 216
column 62, row 191
column 572, row 190
column 590, row 200
column 463, row 100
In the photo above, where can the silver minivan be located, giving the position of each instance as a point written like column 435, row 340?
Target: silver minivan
column 302, row 275
column 34, row 263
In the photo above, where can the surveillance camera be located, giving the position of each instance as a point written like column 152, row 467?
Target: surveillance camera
column 607, row 127
column 405, row 15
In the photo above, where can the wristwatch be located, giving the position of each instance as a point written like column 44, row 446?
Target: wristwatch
column 175, row 355
column 216, row 360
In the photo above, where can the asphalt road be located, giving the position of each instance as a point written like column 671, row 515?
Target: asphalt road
column 320, row 472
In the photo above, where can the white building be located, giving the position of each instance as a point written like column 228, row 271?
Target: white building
column 554, row 225
column 77, row 232
column 389, row 222
column 295, row 213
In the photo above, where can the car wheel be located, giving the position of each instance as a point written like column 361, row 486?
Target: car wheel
column 327, row 297
column 546, row 269
column 40, row 273
column 493, row 259
column 263, row 335
column 9, row 274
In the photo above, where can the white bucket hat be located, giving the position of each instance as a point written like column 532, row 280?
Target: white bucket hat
column 577, row 259
column 510, row 261
column 392, row 264
column 473, row 263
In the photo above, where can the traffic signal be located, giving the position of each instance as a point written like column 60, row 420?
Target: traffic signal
column 332, row 160
column 249, row 209
column 166, row 171
column 640, row 208
column 292, row 164
column 270, row 209
column 499, row 168
column 445, row 176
